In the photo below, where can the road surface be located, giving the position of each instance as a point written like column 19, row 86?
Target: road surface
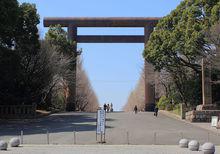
column 122, row 128
column 102, row 149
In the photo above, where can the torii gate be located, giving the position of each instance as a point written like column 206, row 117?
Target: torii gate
column 73, row 23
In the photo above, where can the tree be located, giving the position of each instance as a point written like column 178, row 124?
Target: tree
column 27, row 38
column 9, row 10
column 213, row 35
column 55, row 68
column 20, row 46
column 86, row 99
column 28, row 68
column 28, row 47
column 58, row 38
column 178, row 39
column 137, row 96
column 178, row 43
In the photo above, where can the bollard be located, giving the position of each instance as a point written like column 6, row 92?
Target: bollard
column 74, row 132
column 193, row 145
column 208, row 137
column 128, row 138
column 14, row 142
column 101, row 138
column 104, row 138
column 22, row 136
column 3, row 145
column 155, row 137
column 208, row 148
column 48, row 141
column 183, row 143
column 181, row 134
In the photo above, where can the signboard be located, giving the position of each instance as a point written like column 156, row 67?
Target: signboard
column 214, row 122
column 100, row 122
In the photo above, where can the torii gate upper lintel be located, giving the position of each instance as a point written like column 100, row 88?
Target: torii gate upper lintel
column 72, row 23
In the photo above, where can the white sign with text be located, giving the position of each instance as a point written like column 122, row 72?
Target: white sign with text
column 100, row 122
column 214, row 121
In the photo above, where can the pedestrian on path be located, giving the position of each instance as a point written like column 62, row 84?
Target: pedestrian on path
column 156, row 110
column 111, row 110
column 135, row 109
column 105, row 107
column 108, row 108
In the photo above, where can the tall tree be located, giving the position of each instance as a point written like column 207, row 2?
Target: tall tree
column 27, row 38
column 178, row 39
column 9, row 10
column 17, row 82
column 137, row 95
column 28, row 46
column 58, row 38
column 213, row 35
column 178, row 42
column 86, row 99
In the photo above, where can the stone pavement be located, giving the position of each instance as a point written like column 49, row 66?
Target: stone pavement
column 101, row 149
column 203, row 125
column 122, row 128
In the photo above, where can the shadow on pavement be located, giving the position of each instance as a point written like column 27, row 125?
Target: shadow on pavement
column 54, row 124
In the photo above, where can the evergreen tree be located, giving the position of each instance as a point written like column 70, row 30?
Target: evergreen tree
column 178, row 43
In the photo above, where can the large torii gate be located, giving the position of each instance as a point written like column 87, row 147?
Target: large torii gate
column 73, row 23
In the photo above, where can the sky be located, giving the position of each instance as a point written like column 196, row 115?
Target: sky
column 114, row 68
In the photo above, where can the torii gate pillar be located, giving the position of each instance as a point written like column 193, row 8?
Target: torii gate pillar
column 148, row 69
column 72, row 36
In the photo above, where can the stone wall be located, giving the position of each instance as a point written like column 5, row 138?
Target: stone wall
column 207, row 107
column 201, row 116
column 17, row 111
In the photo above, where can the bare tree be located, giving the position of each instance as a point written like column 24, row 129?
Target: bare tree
column 136, row 96
column 160, row 80
column 86, row 99
column 56, row 71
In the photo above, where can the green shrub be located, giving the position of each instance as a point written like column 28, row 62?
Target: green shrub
column 58, row 103
column 162, row 103
column 176, row 109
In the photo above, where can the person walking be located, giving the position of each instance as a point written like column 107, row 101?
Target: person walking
column 111, row 110
column 108, row 108
column 135, row 109
column 105, row 107
column 156, row 110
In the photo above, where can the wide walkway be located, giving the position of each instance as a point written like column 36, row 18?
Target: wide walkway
column 102, row 149
column 122, row 128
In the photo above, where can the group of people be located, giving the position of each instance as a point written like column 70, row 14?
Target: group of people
column 108, row 108
column 156, row 109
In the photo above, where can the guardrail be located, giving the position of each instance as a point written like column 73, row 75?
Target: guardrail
column 17, row 111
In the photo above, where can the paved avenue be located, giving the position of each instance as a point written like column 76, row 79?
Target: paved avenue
column 122, row 128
